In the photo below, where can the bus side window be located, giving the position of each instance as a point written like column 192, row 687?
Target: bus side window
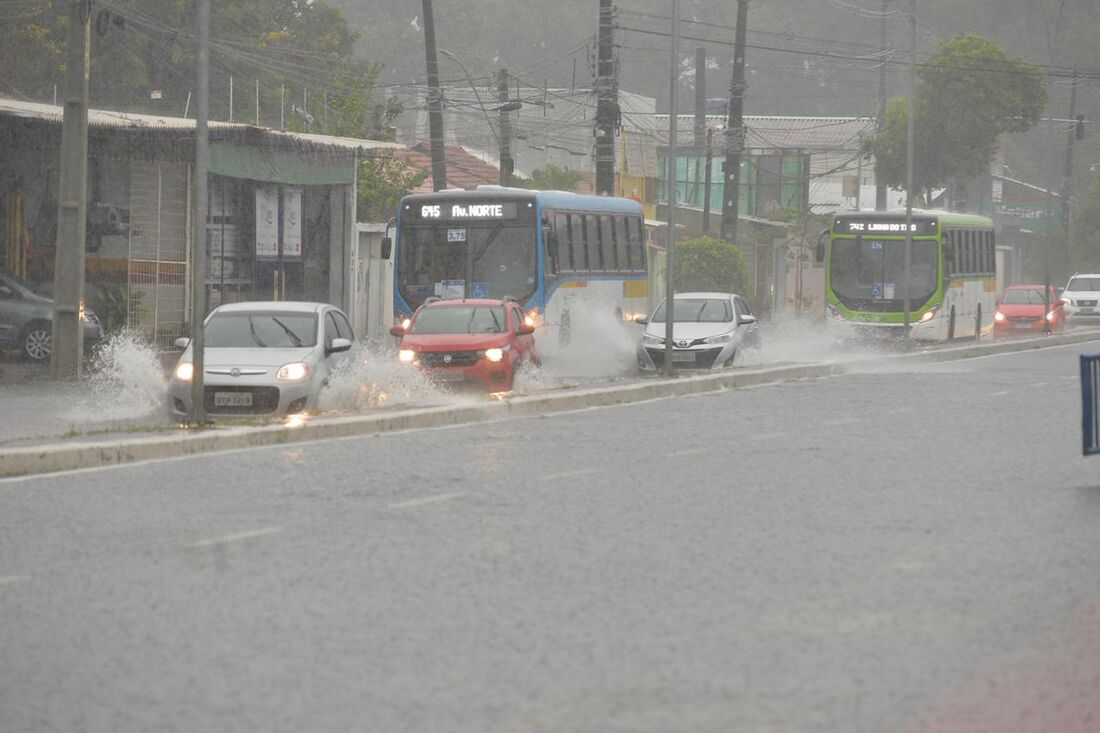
column 580, row 248
column 592, row 232
column 622, row 240
column 565, row 244
column 948, row 253
column 637, row 244
column 964, row 267
column 607, row 243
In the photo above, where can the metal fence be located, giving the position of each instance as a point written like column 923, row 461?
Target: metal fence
column 1090, row 411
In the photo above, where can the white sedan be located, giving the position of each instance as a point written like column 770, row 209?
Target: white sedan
column 709, row 330
column 263, row 358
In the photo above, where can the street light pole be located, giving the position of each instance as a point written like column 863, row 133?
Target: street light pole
column 909, row 162
column 198, row 259
column 673, row 121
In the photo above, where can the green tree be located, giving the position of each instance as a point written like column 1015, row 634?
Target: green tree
column 551, row 178
column 383, row 180
column 968, row 94
column 707, row 264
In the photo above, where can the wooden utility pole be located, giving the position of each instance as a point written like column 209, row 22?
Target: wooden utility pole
column 198, row 239
column 1066, row 193
column 700, row 128
column 670, row 161
column 67, row 352
column 880, row 186
column 735, row 130
column 435, row 102
column 607, row 106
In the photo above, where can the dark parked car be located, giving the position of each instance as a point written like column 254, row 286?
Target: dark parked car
column 26, row 320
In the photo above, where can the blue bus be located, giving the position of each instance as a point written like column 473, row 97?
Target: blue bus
column 556, row 253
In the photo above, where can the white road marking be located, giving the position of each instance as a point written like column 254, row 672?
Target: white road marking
column 1002, row 393
column 688, row 452
column 569, row 474
column 235, row 537
column 426, row 500
column 1038, row 384
column 9, row 579
column 766, row 436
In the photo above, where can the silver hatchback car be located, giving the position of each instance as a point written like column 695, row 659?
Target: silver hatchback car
column 709, row 330
column 263, row 358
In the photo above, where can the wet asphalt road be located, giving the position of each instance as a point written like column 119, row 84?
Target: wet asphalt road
column 884, row 551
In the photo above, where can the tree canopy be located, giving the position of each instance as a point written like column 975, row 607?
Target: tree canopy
column 708, row 264
column 968, row 94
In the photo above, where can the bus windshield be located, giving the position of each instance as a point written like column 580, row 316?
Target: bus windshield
column 433, row 260
column 865, row 270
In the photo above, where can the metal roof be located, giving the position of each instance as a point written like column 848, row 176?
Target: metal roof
column 114, row 120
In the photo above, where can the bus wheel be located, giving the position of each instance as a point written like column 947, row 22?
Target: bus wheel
column 951, row 326
column 978, row 324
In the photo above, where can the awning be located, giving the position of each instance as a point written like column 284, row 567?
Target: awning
column 297, row 167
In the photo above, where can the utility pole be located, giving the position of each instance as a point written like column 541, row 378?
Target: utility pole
column 435, row 102
column 607, row 105
column 909, row 164
column 880, row 186
column 198, row 259
column 700, row 96
column 670, row 241
column 507, row 164
column 1067, row 168
column 706, row 182
column 735, row 130
column 68, row 337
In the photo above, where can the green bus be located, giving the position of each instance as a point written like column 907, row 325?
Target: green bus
column 952, row 274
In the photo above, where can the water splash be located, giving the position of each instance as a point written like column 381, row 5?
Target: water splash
column 126, row 383
column 601, row 347
column 374, row 378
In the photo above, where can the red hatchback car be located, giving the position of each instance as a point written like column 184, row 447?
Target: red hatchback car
column 478, row 341
column 1023, row 309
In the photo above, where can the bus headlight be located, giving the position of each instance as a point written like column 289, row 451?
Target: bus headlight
column 928, row 315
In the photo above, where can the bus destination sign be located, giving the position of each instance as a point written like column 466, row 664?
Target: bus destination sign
column 467, row 211
column 845, row 225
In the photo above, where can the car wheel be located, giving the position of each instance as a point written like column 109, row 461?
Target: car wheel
column 37, row 341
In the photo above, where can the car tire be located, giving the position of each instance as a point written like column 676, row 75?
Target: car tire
column 36, row 341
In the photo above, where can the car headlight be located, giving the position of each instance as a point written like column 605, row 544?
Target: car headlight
column 1066, row 301
column 1050, row 316
column 496, row 355
column 295, row 371
column 719, row 339
column 185, row 370
column 651, row 339
column 998, row 316
column 406, row 356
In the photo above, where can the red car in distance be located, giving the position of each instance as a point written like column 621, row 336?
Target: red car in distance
column 479, row 341
column 1024, row 309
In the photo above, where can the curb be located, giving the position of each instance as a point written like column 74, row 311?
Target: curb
column 51, row 459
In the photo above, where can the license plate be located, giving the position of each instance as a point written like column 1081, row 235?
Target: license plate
column 1087, row 310
column 1023, row 325
column 683, row 356
column 232, row 399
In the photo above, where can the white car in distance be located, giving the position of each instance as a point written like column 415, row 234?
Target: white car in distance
column 709, row 331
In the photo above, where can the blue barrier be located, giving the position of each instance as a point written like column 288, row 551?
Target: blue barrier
column 1090, row 411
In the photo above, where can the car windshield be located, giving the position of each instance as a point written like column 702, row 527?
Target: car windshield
column 459, row 319
column 262, row 330
column 1084, row 284
column 697, row 310
column 1024, row 297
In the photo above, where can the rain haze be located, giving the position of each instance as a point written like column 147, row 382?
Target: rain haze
column 638, row 366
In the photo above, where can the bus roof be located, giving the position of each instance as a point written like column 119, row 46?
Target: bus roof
column 552, row 199
column 945, row 218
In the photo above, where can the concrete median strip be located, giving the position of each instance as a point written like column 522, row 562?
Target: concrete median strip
column 83, row 455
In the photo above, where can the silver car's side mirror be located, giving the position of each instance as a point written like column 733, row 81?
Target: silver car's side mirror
column 338, row 345
column 182, row 343
column 745, row 319
column 641, row 319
